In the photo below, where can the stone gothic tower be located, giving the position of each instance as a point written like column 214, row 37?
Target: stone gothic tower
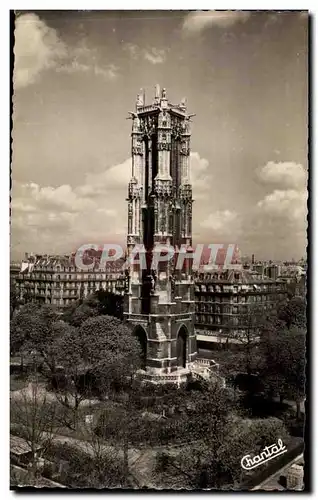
column 159, row 299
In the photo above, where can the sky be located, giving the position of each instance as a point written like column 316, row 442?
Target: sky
column 76, row 77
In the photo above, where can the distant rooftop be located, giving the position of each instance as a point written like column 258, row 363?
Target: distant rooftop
column 233, row 276
column 19, row 446
column 67, row 263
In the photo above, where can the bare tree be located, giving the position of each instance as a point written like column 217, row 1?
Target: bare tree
column 109, row 463
column 34, row 418
column 246, row 329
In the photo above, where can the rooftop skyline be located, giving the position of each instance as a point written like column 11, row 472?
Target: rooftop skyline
column 77, row 75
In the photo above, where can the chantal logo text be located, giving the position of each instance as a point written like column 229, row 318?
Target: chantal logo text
column 268, row 453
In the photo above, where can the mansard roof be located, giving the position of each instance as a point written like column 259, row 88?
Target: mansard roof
column 232, row 276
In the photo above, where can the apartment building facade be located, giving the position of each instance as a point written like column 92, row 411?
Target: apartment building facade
column 221, row 296
column 56, row 280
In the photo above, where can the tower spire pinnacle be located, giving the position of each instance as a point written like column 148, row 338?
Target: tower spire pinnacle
column 157, row 93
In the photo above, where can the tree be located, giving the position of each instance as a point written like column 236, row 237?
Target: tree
column 77, row 315
column 100, row 303
column 293, row 312
column 216, row 463
column 113, row 355
column 37, row 329
column 35, row 418
column 119, row 426
column 110, row 351
column 110, row 304
column 85, row 469
column 285, row 364
column 14, row 299
column 68, row 351
column 91, row 461
column 102, row 350
column 204, row 422
column 27, row 294
column 21, row 327
column 51, row 349
column 249, row 327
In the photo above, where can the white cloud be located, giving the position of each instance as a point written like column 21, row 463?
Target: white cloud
column 200, row 176
column 39, row 47
column 110, row 72
column 152, row 54
column 32, row 195
column 58, row 219
column 284, row 208
column 93, row 211
column 290, row 204
column 285, row 174
column 155, row 56
column 133, row 50
column 195, row 22
column 220, row 220
column 277, row 225
column 113, row 179
column 20, row 206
